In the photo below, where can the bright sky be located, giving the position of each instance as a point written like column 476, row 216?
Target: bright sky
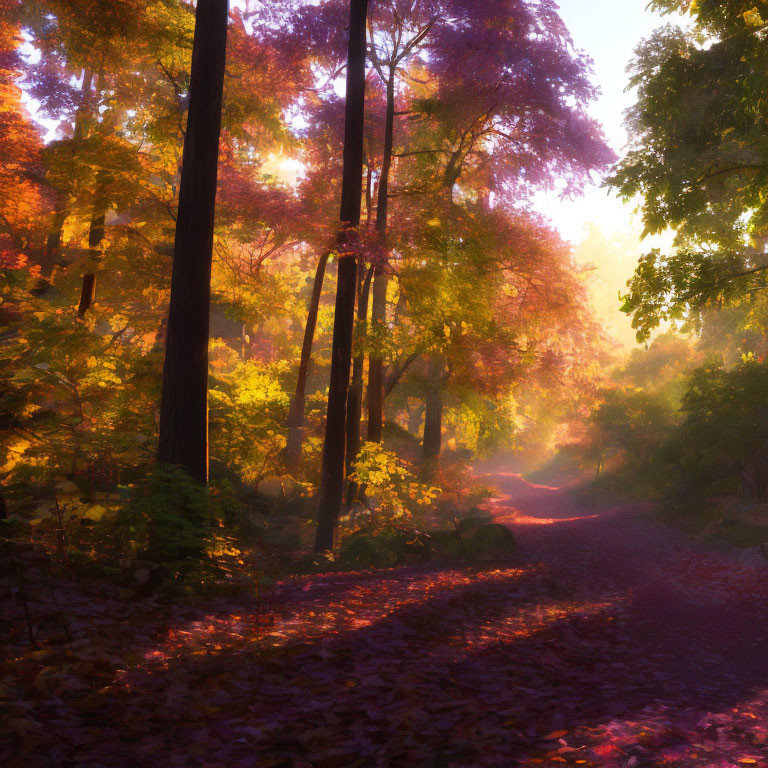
column 605, row 231
column 608, row 31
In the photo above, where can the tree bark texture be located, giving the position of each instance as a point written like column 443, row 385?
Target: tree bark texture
column 355, row 397
column 295, row 439
column 184, row 408
column 95, row 238
column 379, row 310
column 334, row 448
column 433, row 415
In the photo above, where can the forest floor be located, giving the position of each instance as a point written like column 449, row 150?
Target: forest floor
column 609, row 642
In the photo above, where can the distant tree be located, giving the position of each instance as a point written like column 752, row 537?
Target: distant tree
column 725, row 431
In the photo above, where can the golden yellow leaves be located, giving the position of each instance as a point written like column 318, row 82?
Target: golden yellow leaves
column 752, row 18
column 390, row 482
column 15, row 450
column 95, row 512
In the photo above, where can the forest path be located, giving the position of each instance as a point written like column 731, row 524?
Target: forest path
column 610, row 643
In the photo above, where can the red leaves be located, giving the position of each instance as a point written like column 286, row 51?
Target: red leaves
column 564, row 660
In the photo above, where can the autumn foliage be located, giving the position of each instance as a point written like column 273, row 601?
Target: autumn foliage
column 473, row 297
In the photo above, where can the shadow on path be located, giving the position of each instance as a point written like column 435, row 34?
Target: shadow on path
column 611, row 643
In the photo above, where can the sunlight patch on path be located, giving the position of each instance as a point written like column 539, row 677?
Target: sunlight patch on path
column 509, row 515
column 518, row 476
column 337, row 609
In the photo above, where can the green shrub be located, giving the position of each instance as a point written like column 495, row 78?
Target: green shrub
column 491, row 541
column 168, row 518
column 385, row 548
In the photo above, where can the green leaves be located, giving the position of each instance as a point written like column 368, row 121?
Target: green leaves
column 169, row 515
column 699, row 161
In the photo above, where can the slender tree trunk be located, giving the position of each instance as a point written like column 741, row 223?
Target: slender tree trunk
column 376, row 363
column 295, row 439
column 184, row 408
column 3, row 507
column 433, row 412
column 414, row 418
column 343, row 327
column 381, row 278
column 81, row 116
column 52, row 253
column 369, row 192
column 394, row 377
column 382, row 202
column 95, row 238
column 355, row 398
column 433, row 415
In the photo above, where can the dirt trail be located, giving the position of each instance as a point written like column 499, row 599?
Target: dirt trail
column 680, row 599
column 694, row 621
column 610, row 643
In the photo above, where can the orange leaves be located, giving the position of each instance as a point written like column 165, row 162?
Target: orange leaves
column 554, row 735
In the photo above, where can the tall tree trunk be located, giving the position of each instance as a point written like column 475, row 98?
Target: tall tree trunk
column 343, row 326
column 433, row 414
column 381, row 278
column 295, row 439
column 355, row 397
column 184, row 408
column 376, row 363
column 95, row 238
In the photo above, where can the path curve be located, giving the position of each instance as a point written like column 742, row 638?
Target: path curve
column 610, row 643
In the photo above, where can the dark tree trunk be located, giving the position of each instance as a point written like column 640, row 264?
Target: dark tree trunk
column 52, row 255
column 184, row 408
column 380, row 281
column 433, row 415
column 3, row 507
column 355, row 397
column 343, row 327
column 295, row 439
column 394, row 377
column 95, row 237
column 369, row 192
column 382, row 203
column 376, row 363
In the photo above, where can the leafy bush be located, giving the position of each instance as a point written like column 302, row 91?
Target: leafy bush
column 386, row 548
column 725, row 432
column 388, row 479
column 715, row 442
column 168, row 518
column 491, row 540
